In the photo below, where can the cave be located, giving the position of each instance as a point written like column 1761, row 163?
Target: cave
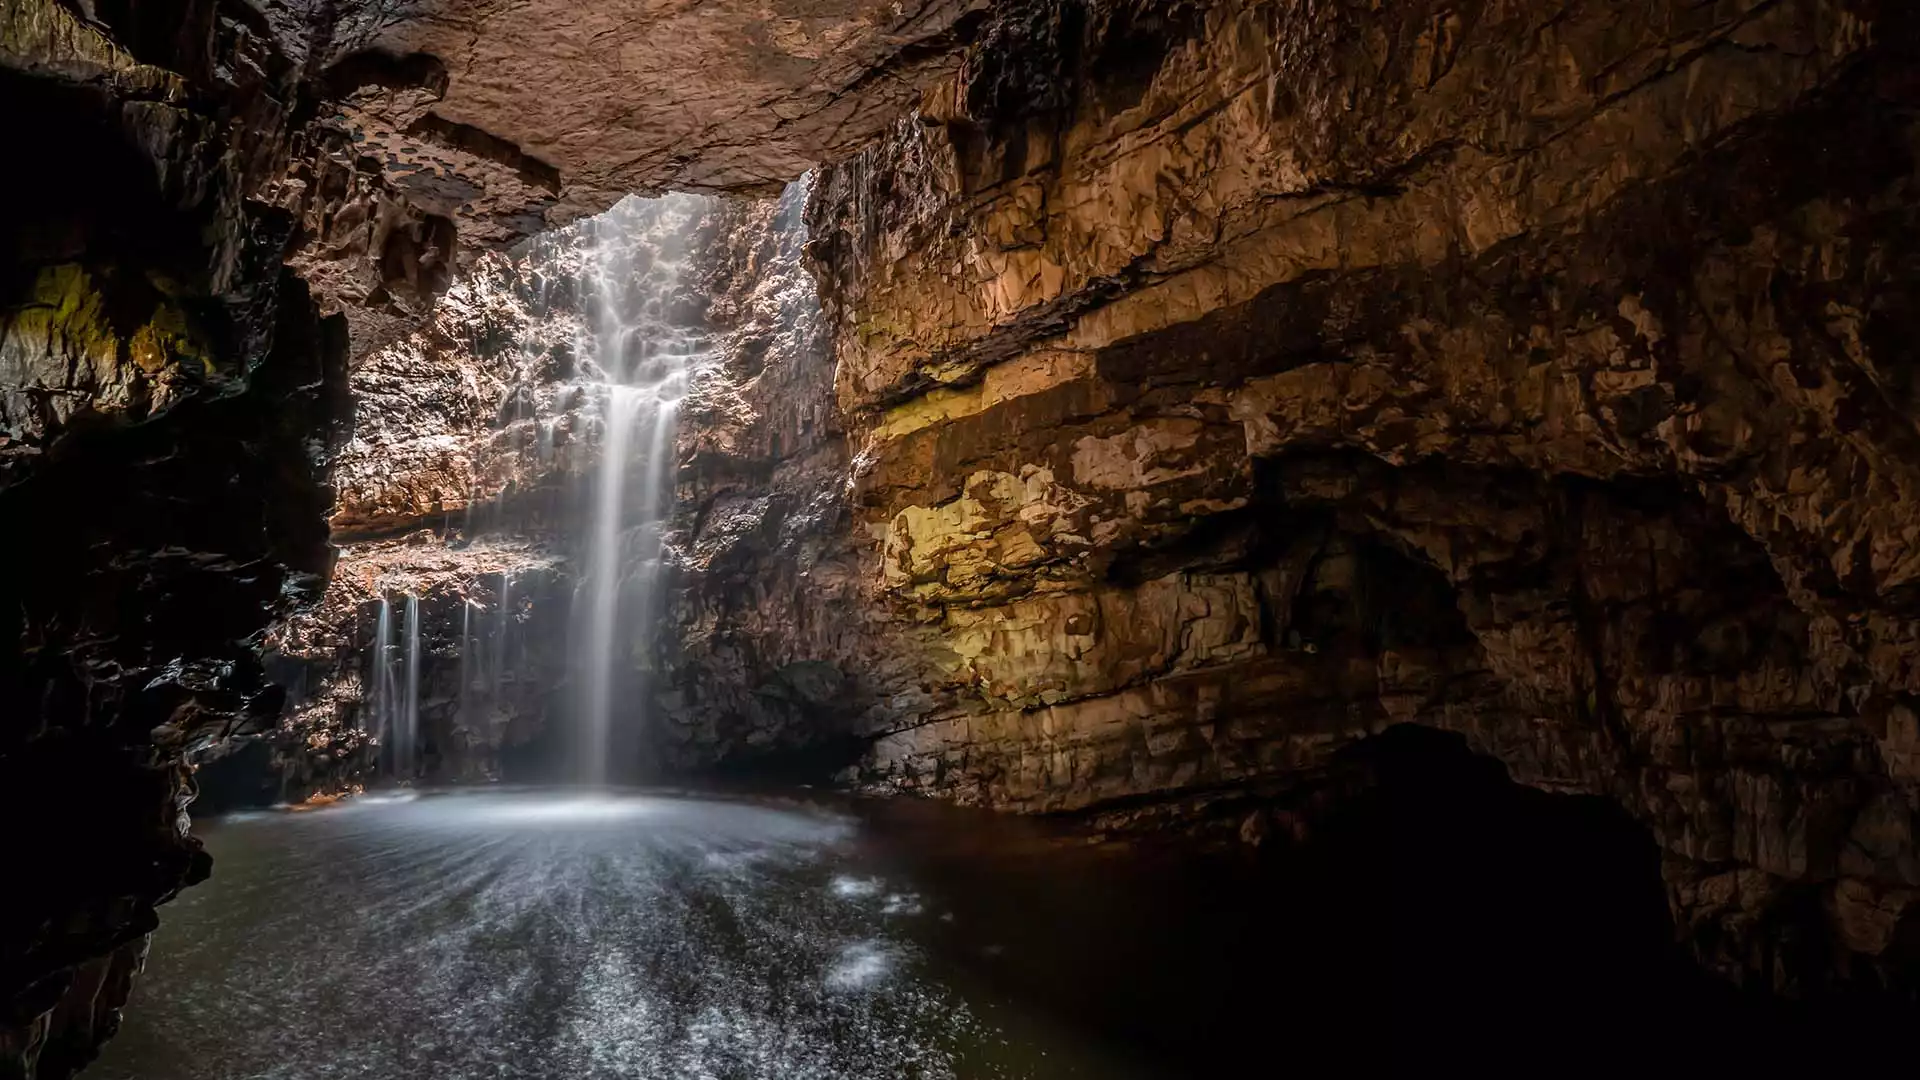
column 981, row 538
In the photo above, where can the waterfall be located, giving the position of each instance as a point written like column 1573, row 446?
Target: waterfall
column 380, row 693
column 603, row 581
column 393, row 698
column 466, row 657
column 407, row 733
column 500, row 635
column 643, row 337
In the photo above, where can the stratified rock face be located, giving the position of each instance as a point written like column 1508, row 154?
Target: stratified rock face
column 168, row 395
column 1231, row 380
column 767, row 610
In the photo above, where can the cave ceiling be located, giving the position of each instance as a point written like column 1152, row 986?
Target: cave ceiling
column 509, row 116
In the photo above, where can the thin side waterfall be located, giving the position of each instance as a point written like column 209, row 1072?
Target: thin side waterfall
column 406, row 738
column 643, row 338
column 500, row 634
column 378, row 719
column 466, row 653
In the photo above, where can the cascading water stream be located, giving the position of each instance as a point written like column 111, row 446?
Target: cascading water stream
column 393, row 697
column 406, row 739
column 380, row 676
column 643, row 341
column 603, row 577
column 466, row 653
column 497, row 675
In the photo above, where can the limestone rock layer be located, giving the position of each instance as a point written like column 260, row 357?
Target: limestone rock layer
column 1230, row 381
column 1138, row 405
column 1197, row 390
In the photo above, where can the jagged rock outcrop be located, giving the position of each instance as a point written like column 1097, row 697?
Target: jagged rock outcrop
column 480, row 412
column 168, row 394
column 1216, row 384
column 225, row 201
column 455, row 127
column 1232, row 380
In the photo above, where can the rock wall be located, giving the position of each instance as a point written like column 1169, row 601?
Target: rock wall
column 216, row 203
column 1199, row 389
column 168, row 397
column 1228, row 381
column 476, row 450
column 492, row 669
column 766, row 614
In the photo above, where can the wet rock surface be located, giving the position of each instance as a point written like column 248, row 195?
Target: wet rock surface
column 492, row 669
column 1176, row 398
column 1240, row 379
column 1215, row 387
column 168, row 397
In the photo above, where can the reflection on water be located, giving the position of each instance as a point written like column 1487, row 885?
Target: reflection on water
column 1445, row 916
column 533, row 935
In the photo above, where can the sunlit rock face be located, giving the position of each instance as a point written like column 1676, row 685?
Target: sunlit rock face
column 1227, row 381
column 472, row 474
column 461, row 489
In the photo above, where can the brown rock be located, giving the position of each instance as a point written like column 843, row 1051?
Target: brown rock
column 1462, row 343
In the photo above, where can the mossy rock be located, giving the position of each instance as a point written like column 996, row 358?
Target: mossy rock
column 100, row 344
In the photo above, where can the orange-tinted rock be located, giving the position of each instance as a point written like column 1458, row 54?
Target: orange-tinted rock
column 1245, row 379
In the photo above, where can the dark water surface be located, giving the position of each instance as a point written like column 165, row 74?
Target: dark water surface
column 1442, row 918
column 556, row 934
